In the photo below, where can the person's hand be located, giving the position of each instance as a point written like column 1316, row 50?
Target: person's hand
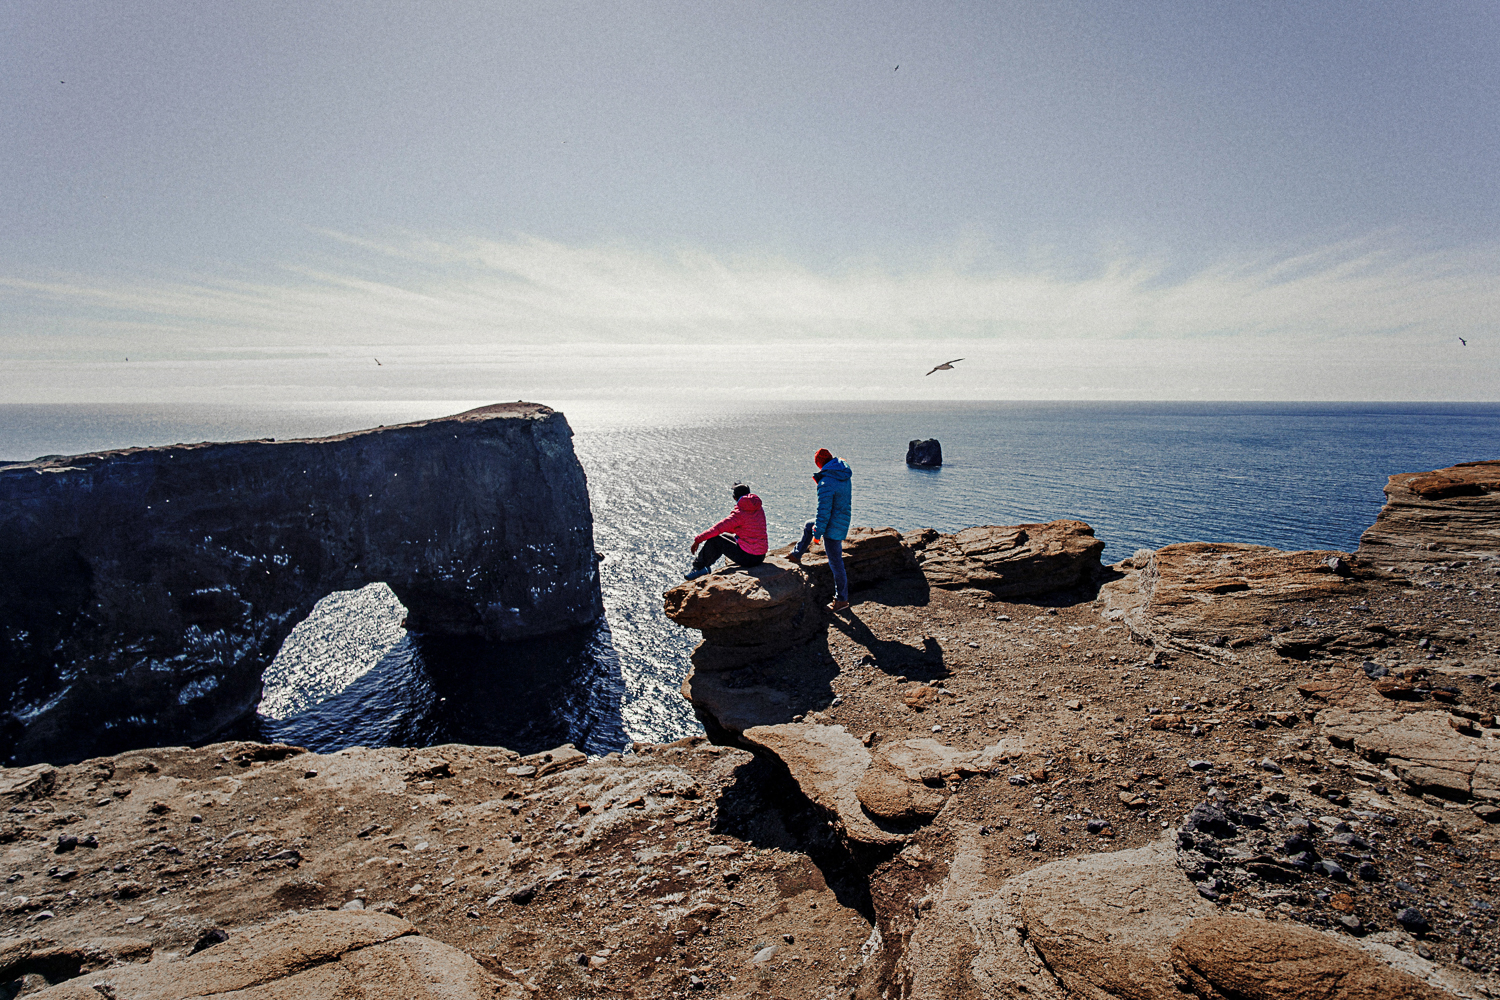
column 694, row 547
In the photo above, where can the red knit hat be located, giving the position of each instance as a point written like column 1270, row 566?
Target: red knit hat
column 823, row 457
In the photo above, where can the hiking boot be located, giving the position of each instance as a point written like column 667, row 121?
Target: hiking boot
column 693, row 574
column 837, row 605
column 794, row 556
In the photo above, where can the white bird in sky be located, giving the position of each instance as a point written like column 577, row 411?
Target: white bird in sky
column 946, row 365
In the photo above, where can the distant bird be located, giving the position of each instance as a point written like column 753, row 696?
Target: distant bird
column 377, row 361
column 1463, row 341
column 898, row 66
column 946, row 365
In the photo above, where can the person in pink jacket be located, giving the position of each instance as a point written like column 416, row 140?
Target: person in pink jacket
column 741, row 536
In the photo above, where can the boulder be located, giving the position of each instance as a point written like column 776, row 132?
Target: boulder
column 873, row 800
column 747, row 615
column 333, row 954
column 926, row 454
column 827, row 763
column 146, row 590
column 1451, row 513
column 1224, row 957
column 1015, row 561
column 1210, row 598
column 1422, row 748
column 870, row 556
column 1095, row 926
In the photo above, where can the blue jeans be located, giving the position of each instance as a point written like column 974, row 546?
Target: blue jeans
column 835, row 549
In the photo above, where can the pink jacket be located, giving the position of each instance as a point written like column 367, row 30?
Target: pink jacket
column 747, row 523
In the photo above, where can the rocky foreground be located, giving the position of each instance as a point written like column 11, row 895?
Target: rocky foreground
column 1208, row 770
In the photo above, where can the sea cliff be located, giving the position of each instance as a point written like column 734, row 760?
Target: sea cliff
column 1208, row 770
column 143, row 592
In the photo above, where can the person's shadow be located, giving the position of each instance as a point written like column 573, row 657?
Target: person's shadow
column 890, row 656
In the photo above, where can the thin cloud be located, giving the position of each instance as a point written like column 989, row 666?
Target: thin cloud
column 532, row 290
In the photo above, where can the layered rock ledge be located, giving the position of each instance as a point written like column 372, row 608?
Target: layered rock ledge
column 144, row 591
column 1447, row 514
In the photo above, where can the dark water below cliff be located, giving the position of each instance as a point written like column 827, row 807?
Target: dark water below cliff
column 1143, row 474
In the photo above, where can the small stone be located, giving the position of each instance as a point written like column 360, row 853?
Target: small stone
column 523, row 895
column 583, row 807
column 1413, row 920
column 1352, row 924
column 44, row 915
column 209, row 938
column 1074, row 706
column 159, row 808
column 1018, row 780
column 195, row 818
column 65, row 843
column 1267, row 764
column 1332, row 869
column 789, row 938
column 1368, row 872
column 764, row 955
column 1201, row 765
column 354, row 904
column 309, row 774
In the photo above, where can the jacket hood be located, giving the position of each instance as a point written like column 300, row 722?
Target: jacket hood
column 749, row 503
column 836, row 470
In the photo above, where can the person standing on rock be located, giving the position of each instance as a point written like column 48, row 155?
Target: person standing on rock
column 832, row 524
column 741, row 536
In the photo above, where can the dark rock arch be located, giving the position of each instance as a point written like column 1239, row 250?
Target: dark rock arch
column 145, row 590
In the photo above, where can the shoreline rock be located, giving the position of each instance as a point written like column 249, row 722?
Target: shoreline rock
column 926, row 454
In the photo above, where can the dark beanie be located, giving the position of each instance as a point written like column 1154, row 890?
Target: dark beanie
column 739, row 490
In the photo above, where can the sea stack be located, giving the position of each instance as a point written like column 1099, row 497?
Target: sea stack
column 925, row 454
column 146, row 590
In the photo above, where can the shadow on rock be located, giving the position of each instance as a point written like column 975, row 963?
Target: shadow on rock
column 893, row 657
column 766, row 809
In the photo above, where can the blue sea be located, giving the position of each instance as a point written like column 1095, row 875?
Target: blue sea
column 1143, row 474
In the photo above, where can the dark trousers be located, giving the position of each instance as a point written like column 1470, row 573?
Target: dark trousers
column 722, row 545
column 835, row 549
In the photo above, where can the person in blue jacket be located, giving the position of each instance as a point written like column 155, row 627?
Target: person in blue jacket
column 832, row 524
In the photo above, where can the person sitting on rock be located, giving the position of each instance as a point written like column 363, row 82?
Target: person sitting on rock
column 741, row 536
column 832, row 525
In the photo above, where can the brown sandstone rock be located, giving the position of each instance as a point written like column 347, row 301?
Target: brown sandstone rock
column 1013, row 561
column 1452, row 513
column 1422, row 749
column 1232, row 957
column 332, row 954
column 1098, row 926
column 746, row 615
column 870, row 555
column 828, row 764
column 1209, row 598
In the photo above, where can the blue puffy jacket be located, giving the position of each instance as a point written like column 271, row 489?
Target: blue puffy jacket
column 833, row 501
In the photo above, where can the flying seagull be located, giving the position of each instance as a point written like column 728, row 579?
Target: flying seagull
column 1463, row 341
column 946, row 365
column 377, row 361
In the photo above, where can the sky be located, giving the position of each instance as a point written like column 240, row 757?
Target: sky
column 1092, row 200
